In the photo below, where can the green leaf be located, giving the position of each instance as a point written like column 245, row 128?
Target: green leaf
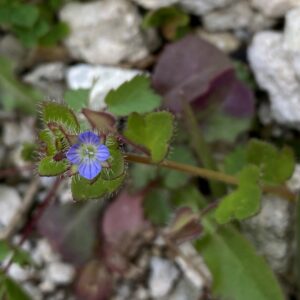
column 55, row 113
column 142, row 175
column 55, row 34
column 276, row 166
column 188, row 196
column 116, row 165
column 153, row 131
column 77, row 99
column 235, row 161
column 238, row 272
column 245, row 201
column 49, row 167
column 173, row 21
column 224, row 127
column 83, row 189
column 14, row 291
column 175, row 179
column 13, row 93
column 48, row 139
column 133, row 96
column 29, row 151
column 157, row 207
column 5, row 249
column 24, row 15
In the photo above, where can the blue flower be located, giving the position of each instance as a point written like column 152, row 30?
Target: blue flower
column 88, row 154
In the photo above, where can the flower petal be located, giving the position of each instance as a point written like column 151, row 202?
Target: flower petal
column 89, row 169
column 102, row 153
column 73, row 154
column 89, row 137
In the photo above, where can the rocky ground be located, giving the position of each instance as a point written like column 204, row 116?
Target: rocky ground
column 106, row 46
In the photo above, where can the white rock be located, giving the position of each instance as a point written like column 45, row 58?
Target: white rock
column 43, row 253
column 10, row 203
column 162, row 276
column 225, row 41
column 155, row 4
column 49, row 79
column 294, row 182
column 239, row 15
column 274, row 73
column 270, row 231
column 275, row 8
column 100, row 79
column 33, row 291
column 185, row 290
column 47, row 286
column 19, row 273
column 198, row 274
column 60, row 273
column 106, row 32
column 201, row 7
column 14, row 133
column 292, row 31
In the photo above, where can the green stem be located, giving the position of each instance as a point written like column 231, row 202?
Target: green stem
column 208, row 174
column 201, row 148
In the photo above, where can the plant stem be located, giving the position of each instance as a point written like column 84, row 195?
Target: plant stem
column 208, row 174
column 200, row 147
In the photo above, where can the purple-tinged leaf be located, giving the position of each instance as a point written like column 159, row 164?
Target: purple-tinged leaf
column 95, row 282
column 195, row 71
column 123, row 217
column 101, row 121
column 71, row 230
column 239, row 101
column 187, row 69
column 185, row 226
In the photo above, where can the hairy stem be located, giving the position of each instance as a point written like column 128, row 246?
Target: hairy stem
column 208, row 174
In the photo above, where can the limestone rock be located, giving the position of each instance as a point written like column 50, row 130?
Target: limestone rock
column 106, row 32
column 273, row 68
column 162, row 276
column 270, row 231
column 48, row 78
column 275, row 8
column 10, row 203
column 239, row 15
column 155, row 4
column 292, row 31
column 225, row 41
column 201, row 7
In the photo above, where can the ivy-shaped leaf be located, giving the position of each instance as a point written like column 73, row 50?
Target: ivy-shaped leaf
column 83, row 189
column 49, row 167
column 77, row 99
column 61, row 115
column 153, row 131
column 243, row 202
column 133, row 96
column 276, row 166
